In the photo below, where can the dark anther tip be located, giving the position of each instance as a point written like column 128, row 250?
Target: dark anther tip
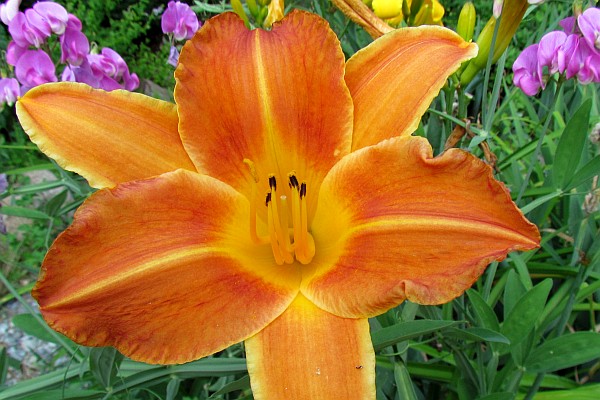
column 303, row 190
column 272, row 182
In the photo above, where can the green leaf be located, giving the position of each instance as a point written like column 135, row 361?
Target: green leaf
column 485, row 315
column 407, row 330
column 523, row 317
column 54, row 204
column 32, row 326
column 173, row 388
column 66, row 394
column 241, row 384
column 16, row 211
column 498, row 396
column 406, row 390
column 587, row 392
column 564, row 352
column 3, row 365
column 585, row 173
column 513, row 292
column 104, row 364
column 477, row 335
column 570, row 146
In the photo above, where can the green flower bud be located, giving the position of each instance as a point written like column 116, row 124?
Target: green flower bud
column 466, row 21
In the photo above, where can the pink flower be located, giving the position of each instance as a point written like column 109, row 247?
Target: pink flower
column 180, row 20
column 107, row 71
column 525, row 68
column 550, row 51
column 74, row 23
column 173, row 56
column 8, row 10
column 54, row 14
column 10, row 90
column 14, row 52
column 74, row 46
column 582, row 61
column 34, row 68
column 29, row 28
column 589, row 24
column 568, row 24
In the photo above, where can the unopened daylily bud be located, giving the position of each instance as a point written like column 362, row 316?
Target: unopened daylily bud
column 358, row 12
column 253, row 8
column 386, row 9
column 239, row 10
column 466, row 21
column 430, row 13
column 275, row 13
column 512, row 13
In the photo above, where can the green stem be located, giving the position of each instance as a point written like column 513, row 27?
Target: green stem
column 538, row 148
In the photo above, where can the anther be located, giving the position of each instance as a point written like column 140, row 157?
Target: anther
column 303, row 190
column 268, row 199
column 272, row 182
column 293, row 181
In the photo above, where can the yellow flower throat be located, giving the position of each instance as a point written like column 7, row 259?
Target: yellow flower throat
column 288, row 241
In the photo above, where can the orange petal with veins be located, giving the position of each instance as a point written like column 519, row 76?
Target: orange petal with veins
column 394, row 79
column 277, row 98
column 106, row 137
column 163, row 270
column 394, row 223
column 308, row 353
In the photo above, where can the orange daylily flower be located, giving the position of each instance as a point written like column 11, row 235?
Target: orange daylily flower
column 181, row 254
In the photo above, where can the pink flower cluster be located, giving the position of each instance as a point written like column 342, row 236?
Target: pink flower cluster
column 33, row 65
column 575, row 52
column 180, row 22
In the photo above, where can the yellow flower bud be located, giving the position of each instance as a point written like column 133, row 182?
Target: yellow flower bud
column 512, row 13
column 430, row 13
column 386, row 9
column 275, row 13
column 466, row 21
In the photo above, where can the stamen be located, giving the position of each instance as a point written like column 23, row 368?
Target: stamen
column 272, row 182
column 307, row 243
column 285, row 226
column 293, row 181
column 295, row 211
column 273, row 235
column 253, row 199
column 281, row 237
column 278, row 210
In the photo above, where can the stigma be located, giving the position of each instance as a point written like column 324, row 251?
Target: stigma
column 287, row 220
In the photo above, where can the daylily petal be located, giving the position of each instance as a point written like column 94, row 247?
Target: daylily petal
column 163, row 270
column 395, row 78
column 393, row 223
column 308, row 353
column 282, row 103
column 108, row 138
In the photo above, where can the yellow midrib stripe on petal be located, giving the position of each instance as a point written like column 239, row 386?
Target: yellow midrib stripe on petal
column 266, row 106
column 165, row 262
column 442, row 222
